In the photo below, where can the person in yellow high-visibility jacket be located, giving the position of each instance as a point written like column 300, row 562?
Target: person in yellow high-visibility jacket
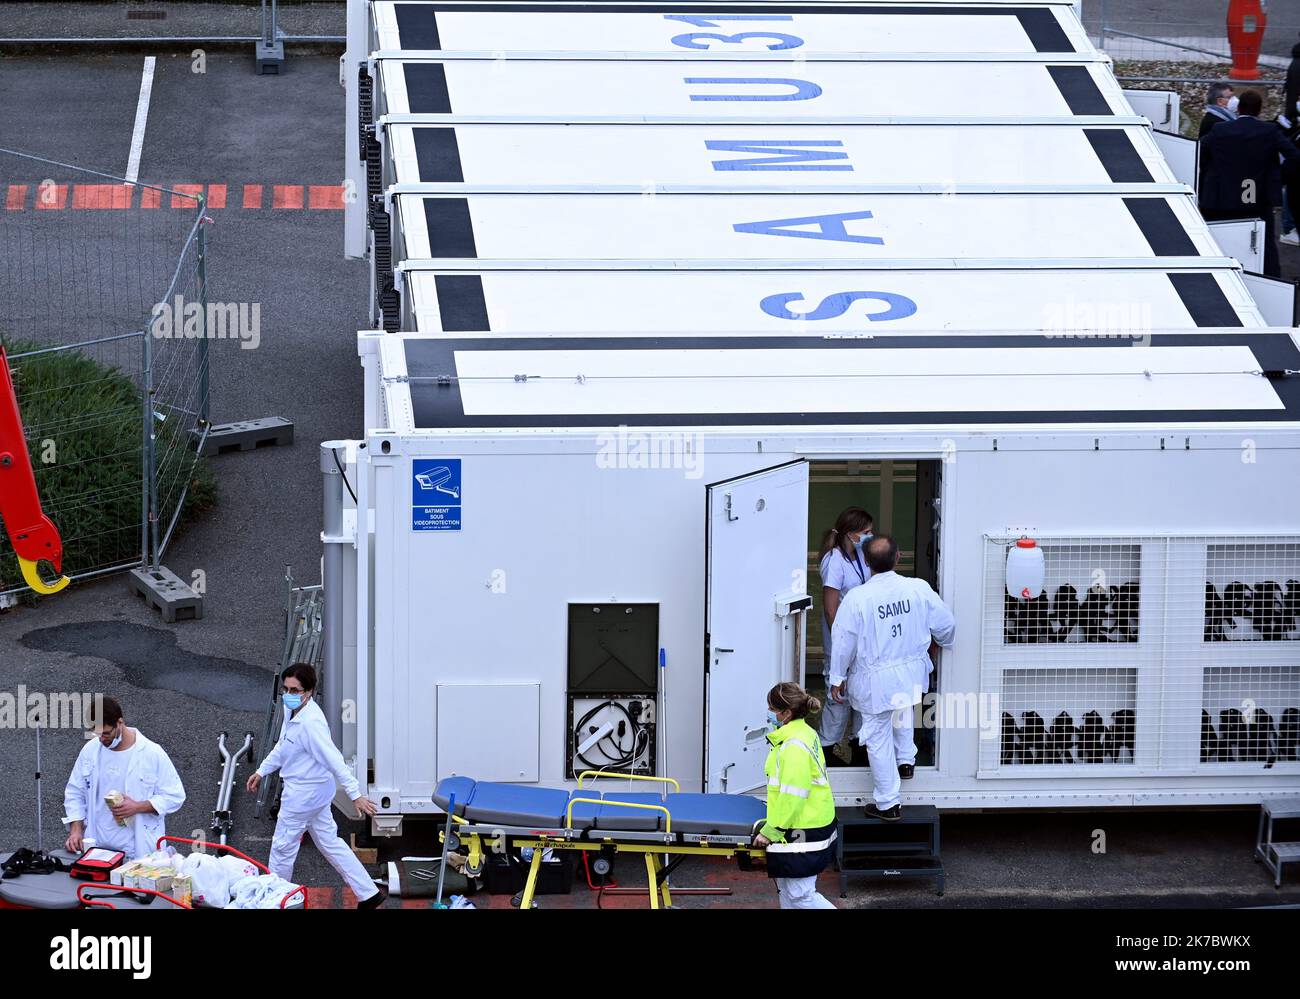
column 799, row 834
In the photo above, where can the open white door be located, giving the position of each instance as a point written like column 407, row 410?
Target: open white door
column 1182, row 154
column 1160, row 107
column 1242, row 239
column 757, row 592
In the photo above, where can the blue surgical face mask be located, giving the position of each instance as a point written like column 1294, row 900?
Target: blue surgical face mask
column 772, row 719
column 863, row 538
column 293, row 701
column 117, row 741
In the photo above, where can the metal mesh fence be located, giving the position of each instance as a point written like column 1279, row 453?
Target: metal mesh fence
column 179, row 369
column 1152, row 655
column 1195, row 46
column 108, row 407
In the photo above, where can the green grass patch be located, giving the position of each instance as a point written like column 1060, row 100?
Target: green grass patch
column 82, row 419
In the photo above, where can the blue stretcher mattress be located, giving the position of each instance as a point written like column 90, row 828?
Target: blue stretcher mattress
column 488, row 803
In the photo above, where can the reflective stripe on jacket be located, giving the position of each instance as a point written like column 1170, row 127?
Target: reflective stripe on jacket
column 798, row 791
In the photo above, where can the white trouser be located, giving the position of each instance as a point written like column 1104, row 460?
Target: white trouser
column 834, row 723
column 889, row 741
column 801, row 893
column 289, row 828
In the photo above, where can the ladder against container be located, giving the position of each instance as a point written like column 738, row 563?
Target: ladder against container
column 303, row 636
column 1273, row 854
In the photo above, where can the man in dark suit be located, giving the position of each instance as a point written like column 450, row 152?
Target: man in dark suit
column 1220, row 106
column 1243, row 171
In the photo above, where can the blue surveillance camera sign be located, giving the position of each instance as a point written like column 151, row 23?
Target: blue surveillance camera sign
column 435, row 494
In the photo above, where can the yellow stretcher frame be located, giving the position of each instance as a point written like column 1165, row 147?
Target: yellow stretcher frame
column 658, row 890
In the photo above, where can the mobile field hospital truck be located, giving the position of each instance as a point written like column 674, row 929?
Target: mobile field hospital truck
column 660, row 288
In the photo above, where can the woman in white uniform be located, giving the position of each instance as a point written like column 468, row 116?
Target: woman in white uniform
column 842, row 568
column 311, row 766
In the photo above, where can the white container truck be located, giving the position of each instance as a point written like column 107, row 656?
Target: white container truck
column 637, row 381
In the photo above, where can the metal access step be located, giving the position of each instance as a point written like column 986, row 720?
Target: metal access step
column 1276, row 854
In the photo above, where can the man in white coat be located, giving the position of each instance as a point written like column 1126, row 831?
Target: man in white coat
column 311, row 766
column 882, row 639
column 120, row 759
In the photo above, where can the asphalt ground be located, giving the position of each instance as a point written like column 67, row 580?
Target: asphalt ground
column 183, row 684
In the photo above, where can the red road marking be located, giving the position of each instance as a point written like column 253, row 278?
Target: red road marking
column 325, row 196
column 56, row 197
column 102, row 195
column 286, row 196
column 51, row 196
column 187, row 195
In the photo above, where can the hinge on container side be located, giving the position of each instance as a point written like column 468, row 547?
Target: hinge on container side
column 521, row 378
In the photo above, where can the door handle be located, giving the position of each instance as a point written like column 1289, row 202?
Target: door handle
column 724, row 650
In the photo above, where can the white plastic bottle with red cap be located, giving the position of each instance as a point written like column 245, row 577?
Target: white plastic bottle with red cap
column 1025, row 569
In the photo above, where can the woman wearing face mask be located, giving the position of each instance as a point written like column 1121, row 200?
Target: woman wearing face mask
column 842, row 568
column 799, row 834
column 310, row 766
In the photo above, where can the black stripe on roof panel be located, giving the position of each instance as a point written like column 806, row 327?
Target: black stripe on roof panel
column 426, row 87
column 437, row 156
column 1160, row 225
column 1080, row 90
column 417, row 28
column 1118, row 155
column 461, row 303
column 1204, row 299
column 451, row 233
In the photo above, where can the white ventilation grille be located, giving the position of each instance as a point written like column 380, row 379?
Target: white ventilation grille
column 1145, row 655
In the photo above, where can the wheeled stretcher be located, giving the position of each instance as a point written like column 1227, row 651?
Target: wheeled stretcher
column 664, row 825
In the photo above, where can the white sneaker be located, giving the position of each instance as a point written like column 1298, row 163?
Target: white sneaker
column 1291, row 238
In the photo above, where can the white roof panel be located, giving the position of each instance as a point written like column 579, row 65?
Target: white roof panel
column 759, row 154
column 1214, row 376
column 743, row 90
column 697, row 302
column 812, row 226
column 957, row 379
column 680, row 28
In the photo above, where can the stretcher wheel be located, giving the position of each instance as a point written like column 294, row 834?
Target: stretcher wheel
column 451, row 842
column 601, row 866
column 518, row 898
column 474, row 870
